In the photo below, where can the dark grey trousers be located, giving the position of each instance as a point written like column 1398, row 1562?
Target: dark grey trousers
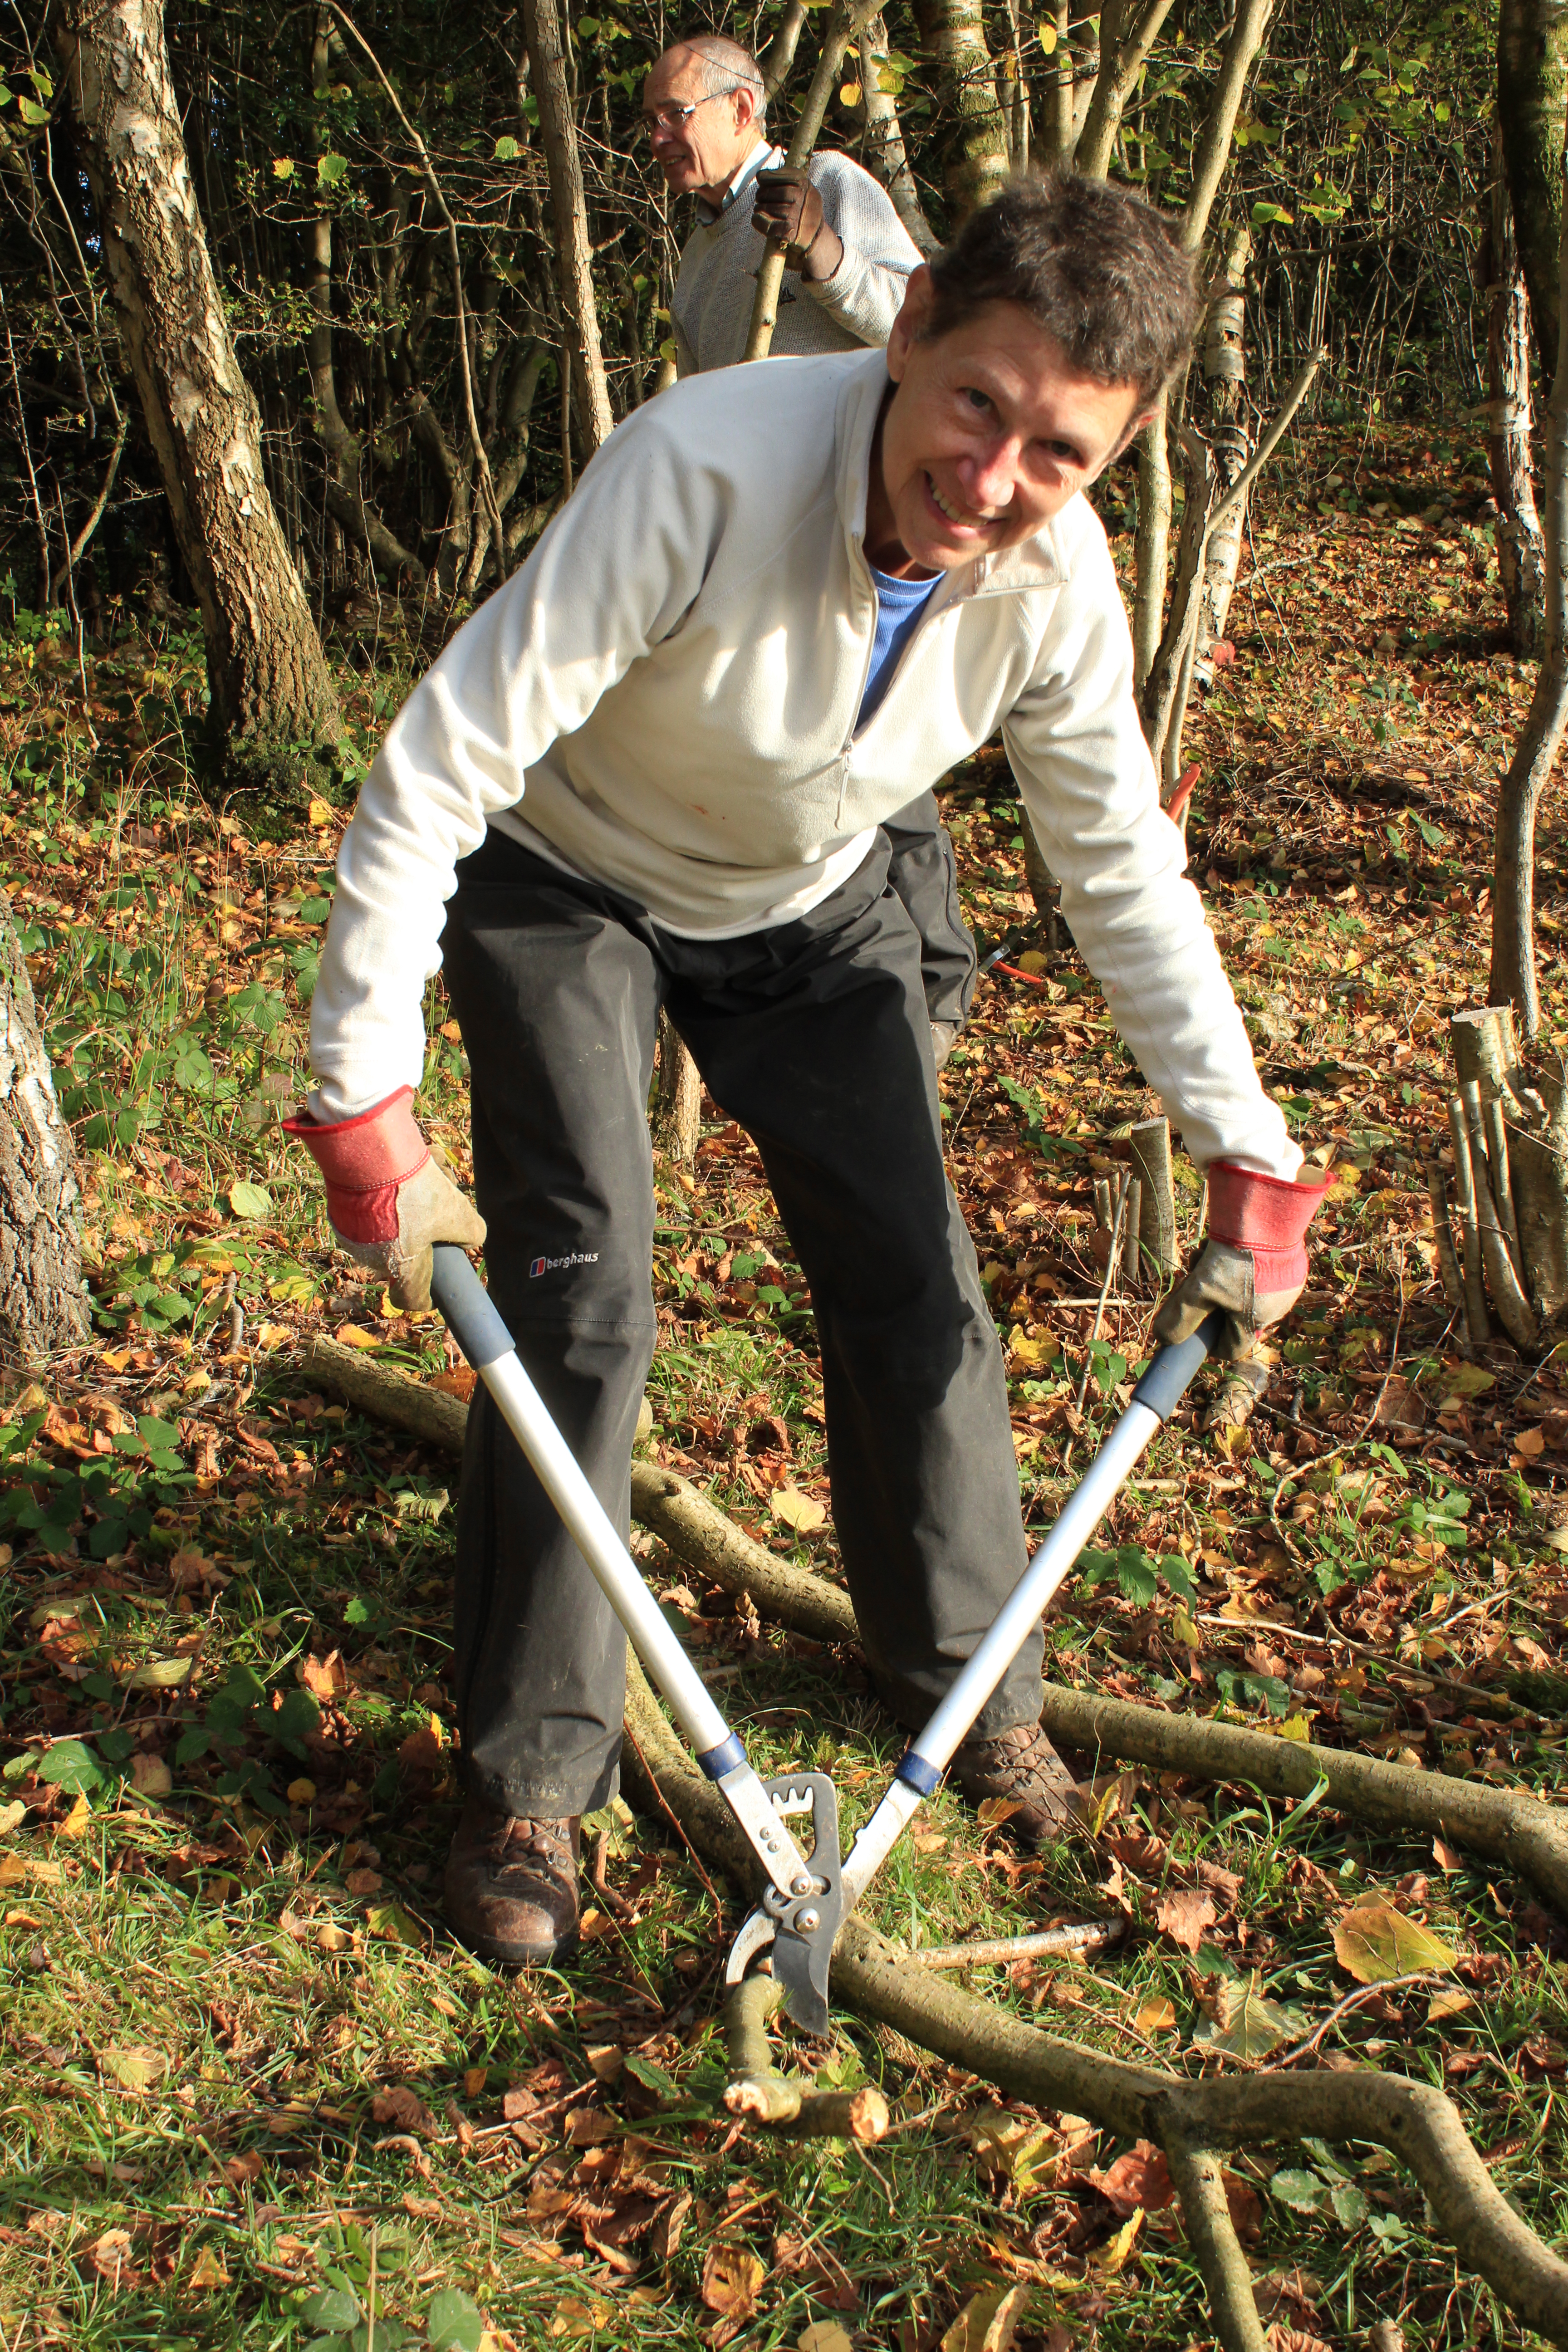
column 815, row 1037
column 923, row 871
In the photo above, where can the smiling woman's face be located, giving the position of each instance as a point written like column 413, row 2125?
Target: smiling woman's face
column 989, row 432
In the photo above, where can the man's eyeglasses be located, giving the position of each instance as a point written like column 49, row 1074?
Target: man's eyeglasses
column 676, row 118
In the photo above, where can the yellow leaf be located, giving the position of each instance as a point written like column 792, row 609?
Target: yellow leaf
column 11, row 1816
column 331, row 1937
column 849, row 94
column 318, row 815
column 1047, row 36
column 1183, row 1627
column 1297, row 1726
column 988, row 2322
column 1113, row 2256
column 115, row 1359
column 352, row 1335
column 1033, row 960
column 796, row 1510
column 731, row 2281
column 150, row 1775
column 206, row 2271
column 272, row 1334
column 1448, row 2002
column 13, row 1870
column 78, row 1820
column 1157, row 2015
column 474, row 2081
column 160, row 1674
column 1374, row 1942
column 301, row 1792
column 1033, row 1355
column 823, row 2335
column 576, row 2316
column 135, row 2067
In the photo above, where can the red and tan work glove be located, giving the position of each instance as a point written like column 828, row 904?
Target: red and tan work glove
column 388, row 1201
column 1252, row 1267
column 788, row 212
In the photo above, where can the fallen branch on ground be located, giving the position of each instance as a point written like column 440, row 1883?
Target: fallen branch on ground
column 1189, row 2120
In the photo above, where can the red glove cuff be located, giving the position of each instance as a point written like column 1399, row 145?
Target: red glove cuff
column 364, row 1159
column 1268, row 1217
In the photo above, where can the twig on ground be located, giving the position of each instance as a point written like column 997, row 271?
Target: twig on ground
column 1340, row 2008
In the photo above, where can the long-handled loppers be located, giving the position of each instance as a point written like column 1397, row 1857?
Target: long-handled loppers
column 807, row 1895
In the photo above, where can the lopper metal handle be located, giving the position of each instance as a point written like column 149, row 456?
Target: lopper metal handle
column 1154, row 1399
column 487, row 1344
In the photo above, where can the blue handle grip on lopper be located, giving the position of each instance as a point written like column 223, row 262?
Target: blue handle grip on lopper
column 465, row 1305
column 1173, row 1369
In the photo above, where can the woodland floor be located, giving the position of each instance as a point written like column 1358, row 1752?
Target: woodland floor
column 245, row 2070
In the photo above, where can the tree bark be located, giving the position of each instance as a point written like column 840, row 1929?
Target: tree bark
column 573, row 248
column 678, row 1121
column 1532, row 88
column 267, row 674
column 1126, row 37
column 1212, row 153
column 1223, row 359
column 1152, row 545
column 1525, row 1111
column 346, row 498
column 1521, row 559
column 43, row 1306
column 885, row 152
column 952, row 33
column 1513, row 980
column 1058, row 140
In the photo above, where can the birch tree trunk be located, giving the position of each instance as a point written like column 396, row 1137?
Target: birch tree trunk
column 573, row 246
column 268, row 675
column 1223, row 359
column 43, row 1306
column 1521, row 556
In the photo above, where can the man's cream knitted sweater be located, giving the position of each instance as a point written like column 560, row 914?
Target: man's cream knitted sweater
column 711, row 309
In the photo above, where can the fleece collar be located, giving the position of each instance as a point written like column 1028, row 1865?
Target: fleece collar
column 1039, row 562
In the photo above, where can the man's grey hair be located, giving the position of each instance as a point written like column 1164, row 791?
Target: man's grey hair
column 724, row 63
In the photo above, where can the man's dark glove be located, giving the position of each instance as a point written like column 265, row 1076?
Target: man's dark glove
column 788, row 212
column 1253, row 1265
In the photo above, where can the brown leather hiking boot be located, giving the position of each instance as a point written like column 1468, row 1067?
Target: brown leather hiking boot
column 1022, row 1768
column 510, row 1887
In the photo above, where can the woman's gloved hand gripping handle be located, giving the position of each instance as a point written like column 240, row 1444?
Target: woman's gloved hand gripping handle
column 388, row 1200
column 1252, row 1264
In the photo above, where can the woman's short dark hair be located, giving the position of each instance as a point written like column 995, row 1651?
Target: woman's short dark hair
column 1101, row 271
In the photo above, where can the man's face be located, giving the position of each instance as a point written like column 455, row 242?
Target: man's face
column 711, row 144
column 988, row 434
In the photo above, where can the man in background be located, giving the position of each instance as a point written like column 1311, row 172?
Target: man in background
column 847, row 259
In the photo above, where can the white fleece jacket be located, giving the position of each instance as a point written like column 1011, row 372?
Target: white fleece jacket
column 664, row 698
